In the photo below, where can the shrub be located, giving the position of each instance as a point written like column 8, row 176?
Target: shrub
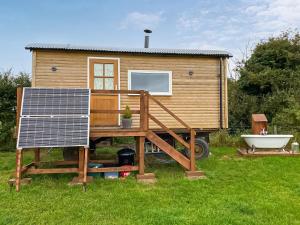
column 222, row 138
column 127, row 114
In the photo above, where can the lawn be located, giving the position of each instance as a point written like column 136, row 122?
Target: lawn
column 236, row 191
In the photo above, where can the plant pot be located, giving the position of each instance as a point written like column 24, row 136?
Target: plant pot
column 126, row 123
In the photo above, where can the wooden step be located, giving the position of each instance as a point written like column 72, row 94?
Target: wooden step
column 164, row 146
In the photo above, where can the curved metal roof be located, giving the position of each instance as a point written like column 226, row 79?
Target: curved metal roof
column 159, row 51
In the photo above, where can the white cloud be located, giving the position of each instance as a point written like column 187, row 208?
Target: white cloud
column 142, row 20
column 275, row 15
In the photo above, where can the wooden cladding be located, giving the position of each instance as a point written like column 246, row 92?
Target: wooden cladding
column 194, row 99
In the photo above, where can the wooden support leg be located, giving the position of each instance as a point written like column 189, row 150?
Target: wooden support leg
column 141, row 150
column 142, row 176
column 86, row 159
column 37, row 156
column 18, row 168
column 192, row 149
column 137, row 146
column 81, row 163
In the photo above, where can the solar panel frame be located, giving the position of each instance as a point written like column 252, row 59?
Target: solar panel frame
column 53, row 132
column 57, row 116
column 35, row 108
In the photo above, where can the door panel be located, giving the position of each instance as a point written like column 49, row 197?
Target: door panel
column 104, row 76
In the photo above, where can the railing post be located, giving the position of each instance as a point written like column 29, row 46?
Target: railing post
column 192, row 149
column 18, row 108
column 142, row 110
column 146, row 105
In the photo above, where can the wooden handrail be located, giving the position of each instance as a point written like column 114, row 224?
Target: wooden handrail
column 95, row 92
column 169, row 111
column 172, row 133
column 113, row 111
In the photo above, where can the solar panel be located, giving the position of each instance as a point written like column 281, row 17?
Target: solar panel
column 50, row 101
column 54, row 118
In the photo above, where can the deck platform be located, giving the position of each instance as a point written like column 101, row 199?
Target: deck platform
column 264, row 153
column 133, row 132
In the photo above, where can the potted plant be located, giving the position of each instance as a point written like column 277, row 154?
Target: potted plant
column 127, row 118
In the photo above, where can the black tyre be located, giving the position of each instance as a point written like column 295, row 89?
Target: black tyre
column 201, row 149
column 70, row 153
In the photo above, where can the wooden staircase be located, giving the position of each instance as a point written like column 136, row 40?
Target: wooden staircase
column 170, row 150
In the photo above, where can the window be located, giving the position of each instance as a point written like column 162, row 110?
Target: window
column 156, row 82
column 103, row 76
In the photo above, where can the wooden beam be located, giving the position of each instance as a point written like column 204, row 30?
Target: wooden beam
column 113, row 111
column 58, row 163
column 19, row 154
column 112, row 169
column 52, row 170
column 141, row 155
column 117, row 133
column 104, row 161
column 97, row 92
column 26, row 167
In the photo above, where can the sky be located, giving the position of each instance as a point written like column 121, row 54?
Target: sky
column 234, row 25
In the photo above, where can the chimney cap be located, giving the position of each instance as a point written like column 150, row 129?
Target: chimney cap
column 147, row 31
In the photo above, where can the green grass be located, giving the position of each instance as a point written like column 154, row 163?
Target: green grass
column 236, row 191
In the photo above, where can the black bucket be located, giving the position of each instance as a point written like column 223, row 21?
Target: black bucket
column 126, row 157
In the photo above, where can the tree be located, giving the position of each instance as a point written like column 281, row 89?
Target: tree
column 269, row 78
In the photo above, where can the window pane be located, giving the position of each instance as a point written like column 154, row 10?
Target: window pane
column 152, row 82
column 109, row 70
column 109, row 83
column 98, row 69
column 98, row 83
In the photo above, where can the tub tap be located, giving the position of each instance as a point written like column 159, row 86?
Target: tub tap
column 263, row 132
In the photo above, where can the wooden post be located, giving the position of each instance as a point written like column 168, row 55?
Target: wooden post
column 37, row 155
column 18, row 169
column 81, row 162
column 192, row 150
column 86, row 160
column 141, row 143
column 137, row 146
column 142, row 110
column 18, row 109
column 146, row 105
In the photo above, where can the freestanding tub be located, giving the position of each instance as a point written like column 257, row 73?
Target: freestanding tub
column 275, row 141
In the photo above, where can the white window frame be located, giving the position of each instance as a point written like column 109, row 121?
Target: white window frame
column 169, row 93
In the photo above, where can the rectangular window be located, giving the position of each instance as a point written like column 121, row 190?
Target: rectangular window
column 156, row 82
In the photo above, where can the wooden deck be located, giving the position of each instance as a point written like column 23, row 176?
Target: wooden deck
column 264, row 153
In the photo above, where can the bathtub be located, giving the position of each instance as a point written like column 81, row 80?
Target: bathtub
column 277, row 141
